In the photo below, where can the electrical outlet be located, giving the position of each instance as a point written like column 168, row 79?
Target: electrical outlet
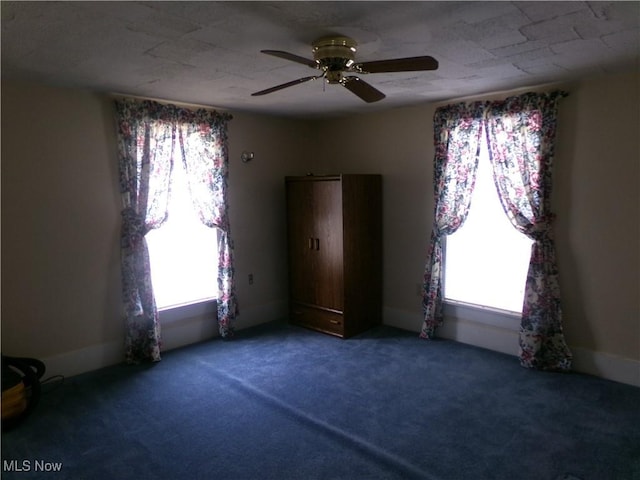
column 251, row 279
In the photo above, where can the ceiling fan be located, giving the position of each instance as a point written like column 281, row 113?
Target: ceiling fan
column 335, row 56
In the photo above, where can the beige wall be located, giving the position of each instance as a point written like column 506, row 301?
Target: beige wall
column 60, row 258
column 60, row 213
column 61, row 222
column 257, row 209
column 399, row 146
column 596, row 198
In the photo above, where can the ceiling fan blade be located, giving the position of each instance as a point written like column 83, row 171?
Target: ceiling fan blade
column 362, row 89
column 292, row 57
column 409, row 64
column 285, row 85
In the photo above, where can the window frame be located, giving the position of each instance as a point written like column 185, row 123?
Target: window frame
column 181, row 307
column 176, row 313
column 474, row 312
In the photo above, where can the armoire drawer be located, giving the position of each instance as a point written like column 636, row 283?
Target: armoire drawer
column 318, row 319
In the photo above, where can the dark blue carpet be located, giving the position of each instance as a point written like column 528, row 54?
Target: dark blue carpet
column 282, row 402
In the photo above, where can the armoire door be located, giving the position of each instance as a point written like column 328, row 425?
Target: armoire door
column 314, row 210
column 328, row 271
column 300, row 232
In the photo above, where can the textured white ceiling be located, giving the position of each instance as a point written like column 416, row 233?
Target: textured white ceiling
column 208, row 53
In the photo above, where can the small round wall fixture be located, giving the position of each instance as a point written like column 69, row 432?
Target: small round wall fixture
column 246, row 156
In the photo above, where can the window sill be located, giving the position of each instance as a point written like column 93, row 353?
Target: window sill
column 177, row 313
column 484, row 315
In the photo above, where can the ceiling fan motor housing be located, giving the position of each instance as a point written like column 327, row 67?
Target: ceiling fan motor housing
column 334, row 54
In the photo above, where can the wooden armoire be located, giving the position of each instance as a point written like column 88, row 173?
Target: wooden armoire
column 334, row 225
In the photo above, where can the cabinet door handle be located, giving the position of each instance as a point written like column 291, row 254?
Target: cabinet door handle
column 310, row 243
column 317, row 244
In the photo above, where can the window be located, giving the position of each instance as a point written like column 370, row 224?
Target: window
column 486, row 260
column 183, row 252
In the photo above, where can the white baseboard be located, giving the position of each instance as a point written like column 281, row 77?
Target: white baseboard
column 401, row 319
column 84, row 360
column 497, row 335
column 177, row 331
column 258, row 314
column 606, row 365
column 175, row 334
column 489, row 336
column 484, row 336
column 501, row 336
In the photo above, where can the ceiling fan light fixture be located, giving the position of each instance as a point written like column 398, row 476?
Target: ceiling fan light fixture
column 333, row 76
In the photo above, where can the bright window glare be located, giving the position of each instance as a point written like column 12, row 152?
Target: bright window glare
column 487, row 258
column 183, row 252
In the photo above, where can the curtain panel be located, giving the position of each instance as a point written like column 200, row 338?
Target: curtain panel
column 457, row 131
column 520, row 133
column 203, row 145
column 148, row 133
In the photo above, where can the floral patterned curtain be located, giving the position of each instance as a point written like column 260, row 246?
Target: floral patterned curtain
column 521, row 132
column 203, row 143
column 457, row 131
column 145, row 147
column 147, row 134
